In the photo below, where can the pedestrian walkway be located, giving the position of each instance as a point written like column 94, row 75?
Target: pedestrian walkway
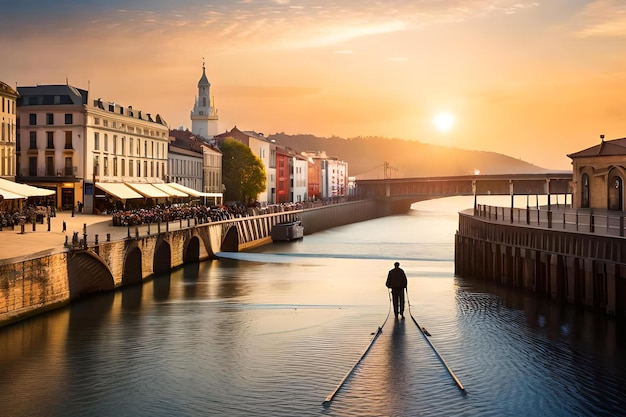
column 15, row 244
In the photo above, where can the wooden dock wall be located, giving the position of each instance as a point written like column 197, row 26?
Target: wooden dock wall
column 583, row 269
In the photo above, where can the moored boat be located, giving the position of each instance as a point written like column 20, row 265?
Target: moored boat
column 287, row 231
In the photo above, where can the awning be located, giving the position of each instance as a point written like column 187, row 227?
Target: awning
column 8, row 195
column 192, row 192
column 24, row 189
column 119, row 190
column 148, row 190
column 173, row 192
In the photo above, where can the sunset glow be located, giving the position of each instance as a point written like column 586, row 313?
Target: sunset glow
column 532, row 80
column 443, row 121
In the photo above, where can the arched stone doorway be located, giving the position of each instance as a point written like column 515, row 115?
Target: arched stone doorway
column 616, row 193
column 584, row 192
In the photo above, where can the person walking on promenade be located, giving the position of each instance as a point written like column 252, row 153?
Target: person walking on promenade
column 396, row 280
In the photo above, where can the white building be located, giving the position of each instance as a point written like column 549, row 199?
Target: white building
column 204, row 114
column 8, row 132
column 328, row 176
column 69, row 142
column 195, row 164
column 300, row 189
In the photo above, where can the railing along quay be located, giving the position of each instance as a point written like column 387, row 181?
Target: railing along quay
column 597, row 222
column 571, row 255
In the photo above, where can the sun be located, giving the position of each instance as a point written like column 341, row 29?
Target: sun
column 443, row 121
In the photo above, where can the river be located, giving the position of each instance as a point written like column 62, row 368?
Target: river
column 272, row 332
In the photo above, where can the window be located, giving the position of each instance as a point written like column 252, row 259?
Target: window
column 123, row 168
column 50, row 166
column 32, row 166
column 68, row 139
column 105, row 160
column 69, row 117
column 145, row 168
column 49, row 118
column 50, row 140
column 69, row 170
column 115, row 167
column 96, row 121
column 139, row 168
column 145, row 148
column 96, row 141
column 32, row 118
column 130, row 146
column 33, row 140
column 114, row 144
column 106, row 142
column 123, row 146
column 138, row 147
column 130, row 167
column 96, row 165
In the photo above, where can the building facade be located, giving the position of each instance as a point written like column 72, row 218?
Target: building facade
column 197, row 164
column 327, row 176
column 71, row 144
column 204, row 117
column 598, row 175
column 8, row 132
column 265, row 151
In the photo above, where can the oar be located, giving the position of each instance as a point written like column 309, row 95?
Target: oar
column 330, row 397
column 443, row 361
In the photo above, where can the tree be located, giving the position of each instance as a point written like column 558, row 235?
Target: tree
column 243, row 172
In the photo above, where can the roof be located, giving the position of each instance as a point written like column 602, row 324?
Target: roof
column 614, row 147
column 51, row 94
column 203, row 80
column 240, row 135
column 6, row 90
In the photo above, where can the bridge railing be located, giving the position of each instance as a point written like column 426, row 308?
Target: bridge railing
column 599, row 222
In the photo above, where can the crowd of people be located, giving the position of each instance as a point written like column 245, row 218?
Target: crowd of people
column 27, row 215
column 198, row 213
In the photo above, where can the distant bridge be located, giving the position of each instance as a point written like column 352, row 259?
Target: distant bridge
column 404, row 191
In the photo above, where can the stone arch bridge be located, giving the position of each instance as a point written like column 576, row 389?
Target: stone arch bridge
column 32, row 285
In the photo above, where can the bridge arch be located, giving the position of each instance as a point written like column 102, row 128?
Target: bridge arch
column 191, row 251
column 87, row 273
column 230, row 242
column 162, row 260
column 132, row 271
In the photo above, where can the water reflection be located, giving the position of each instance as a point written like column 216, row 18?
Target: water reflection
column 272, row 332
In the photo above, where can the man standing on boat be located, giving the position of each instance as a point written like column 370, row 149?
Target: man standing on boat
column 396, row 280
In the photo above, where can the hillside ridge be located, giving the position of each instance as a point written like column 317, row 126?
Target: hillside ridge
column 368, row 156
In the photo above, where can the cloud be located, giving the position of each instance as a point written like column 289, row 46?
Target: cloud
column 603, row 18
column 260, row 24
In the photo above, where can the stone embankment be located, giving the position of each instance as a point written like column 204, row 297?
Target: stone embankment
column 45, row 269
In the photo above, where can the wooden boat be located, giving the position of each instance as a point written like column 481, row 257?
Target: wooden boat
column 287, row 231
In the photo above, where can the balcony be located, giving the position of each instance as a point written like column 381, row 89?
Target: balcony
column 39, row 174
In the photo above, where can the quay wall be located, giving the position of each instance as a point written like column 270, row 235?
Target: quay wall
column 30, row 286
column 580, row 268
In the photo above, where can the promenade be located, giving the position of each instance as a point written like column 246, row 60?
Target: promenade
column 14, row 244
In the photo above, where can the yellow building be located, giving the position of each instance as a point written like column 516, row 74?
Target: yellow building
column 598, row 175
column 8, row 132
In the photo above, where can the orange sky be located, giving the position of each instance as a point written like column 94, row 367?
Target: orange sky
column 533, row 80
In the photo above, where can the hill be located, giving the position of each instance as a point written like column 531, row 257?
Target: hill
column 366, row 157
